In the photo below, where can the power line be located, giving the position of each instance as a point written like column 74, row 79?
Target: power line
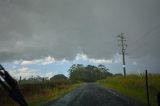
column 145, row 35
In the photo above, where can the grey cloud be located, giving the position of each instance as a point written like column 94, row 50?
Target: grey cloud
column 35, row 29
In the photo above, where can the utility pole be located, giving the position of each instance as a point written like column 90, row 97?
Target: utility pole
column 123, row 45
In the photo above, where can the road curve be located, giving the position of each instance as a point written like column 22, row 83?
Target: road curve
column 92, row 94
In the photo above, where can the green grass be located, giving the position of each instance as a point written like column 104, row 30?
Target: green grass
column 39, row 93
column 134, row 86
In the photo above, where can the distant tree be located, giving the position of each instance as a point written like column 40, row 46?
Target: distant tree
column 104, row 71
column 76, row 71
column 90, row 73
column 59, row 77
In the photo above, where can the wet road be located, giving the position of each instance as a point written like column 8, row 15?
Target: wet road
column 91, row 94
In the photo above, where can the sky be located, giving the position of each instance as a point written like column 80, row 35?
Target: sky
column 45, row 37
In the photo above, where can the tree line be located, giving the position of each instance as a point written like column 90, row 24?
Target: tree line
column 89, row 73
column 77, row 72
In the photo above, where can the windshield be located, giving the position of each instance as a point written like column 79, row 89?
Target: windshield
column 81, row 52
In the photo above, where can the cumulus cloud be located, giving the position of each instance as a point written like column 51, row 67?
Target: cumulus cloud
column 84, row 57
column 48, row 60
column 42, row 61
column 16, row 62
column 117, row 58
column 24, row 72
column 33, row 29
column 26, row 62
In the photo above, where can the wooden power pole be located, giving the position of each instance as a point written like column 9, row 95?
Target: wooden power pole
column 123, row 45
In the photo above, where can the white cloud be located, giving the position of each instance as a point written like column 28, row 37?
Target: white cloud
column 48, row 60
column 16, row 62
column 84, row 57
column 81, row 56
column 42, row 61
column 63, row 61
column 24, row 72
column 101, row 61
column 117, row 58
column 49, row 75
column 26, row 62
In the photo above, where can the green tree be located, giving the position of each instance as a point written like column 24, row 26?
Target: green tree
column 59, row 77
column 104, row 71
column 90, row 73
column 76, row 72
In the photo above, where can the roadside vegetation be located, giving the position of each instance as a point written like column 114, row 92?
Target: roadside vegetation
column 38, row 92
column 134, row 86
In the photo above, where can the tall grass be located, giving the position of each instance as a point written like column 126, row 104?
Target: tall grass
column 134, row 86
column 39, row 93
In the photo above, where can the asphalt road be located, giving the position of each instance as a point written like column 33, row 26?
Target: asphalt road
column 91, row 94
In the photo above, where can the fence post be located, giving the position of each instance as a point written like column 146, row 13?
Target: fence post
column 147, row 88
column 20, row 78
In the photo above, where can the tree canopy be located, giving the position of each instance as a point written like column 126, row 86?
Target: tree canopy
column 90, row 73
column 59, row 77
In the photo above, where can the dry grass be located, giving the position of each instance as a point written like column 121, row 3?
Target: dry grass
column 39, row 93
column 135, row 87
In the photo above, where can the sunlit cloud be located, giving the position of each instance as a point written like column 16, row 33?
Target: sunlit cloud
column 84, row 57
column 26, row 62
column 42, row 61
column 23, row 72
column 48, row 60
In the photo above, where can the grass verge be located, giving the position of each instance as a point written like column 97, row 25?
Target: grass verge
column 38, row 94
column 52, row 94
column 134, row 87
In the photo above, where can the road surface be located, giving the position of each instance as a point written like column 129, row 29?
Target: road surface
column 92, row 94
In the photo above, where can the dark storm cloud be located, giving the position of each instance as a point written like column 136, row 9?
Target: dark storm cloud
column 31, row 29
